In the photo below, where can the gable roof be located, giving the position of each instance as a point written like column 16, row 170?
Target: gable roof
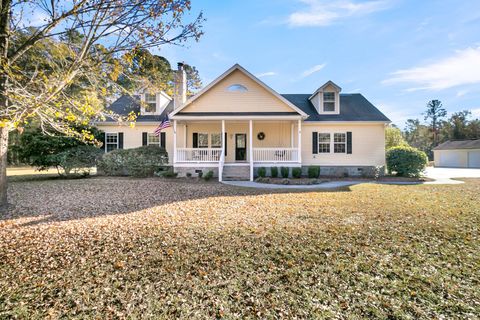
column 353, row 107
column 459, row 144
column 126, row 104
column 248, row 74
column 328, row 83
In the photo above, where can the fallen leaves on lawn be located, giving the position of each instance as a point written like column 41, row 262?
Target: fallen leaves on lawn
column 154, row 248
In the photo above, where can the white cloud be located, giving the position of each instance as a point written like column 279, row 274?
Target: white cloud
column 266, row 74
column 461, row 93
column 462, row 68
column 321, row 13
column 312, row 70
column 476, row 112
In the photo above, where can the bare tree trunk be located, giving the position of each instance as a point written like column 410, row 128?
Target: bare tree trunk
column 5, row 7
column 3, row 166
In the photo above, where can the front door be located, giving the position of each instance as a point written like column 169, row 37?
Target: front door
column 240, row 147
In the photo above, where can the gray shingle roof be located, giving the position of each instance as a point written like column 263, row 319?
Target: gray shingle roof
column 353, row 107
column 126, row 104
column 459, row 144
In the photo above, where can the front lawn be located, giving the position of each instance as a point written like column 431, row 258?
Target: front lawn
column 154, row 248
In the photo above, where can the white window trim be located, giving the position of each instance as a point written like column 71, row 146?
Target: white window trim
column 332, row 142
column 344, row 143
column 210, row 139
column 144, row 102
column 323, row 142
column 149, row 134
column 198, row 141
column 107, row 143
column 321, row 106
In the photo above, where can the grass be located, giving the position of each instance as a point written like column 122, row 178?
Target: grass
column 156, row 248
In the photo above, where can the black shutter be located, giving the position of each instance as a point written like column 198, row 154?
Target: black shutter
column 349, row 142
column 163, row 140
column 120, row 140
column 195, row 140
column 314, row 142
column 102, row 140
column 144, row 138
column 226, row 144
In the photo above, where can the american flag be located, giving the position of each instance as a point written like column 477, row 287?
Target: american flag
column 164, row 124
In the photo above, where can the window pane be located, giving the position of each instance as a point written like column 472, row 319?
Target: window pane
column 215, row 140
column 153, row 139
column 111, row 137
column 339, row 137
column 324, row 148
column 150, row 97
column 111, row 141
column 329, row 96
column 324, row 137
column 329, row 106
column 151, row 107
column 339, row 148
column 203, row 140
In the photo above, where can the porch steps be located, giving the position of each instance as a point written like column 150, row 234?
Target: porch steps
column 233, row 173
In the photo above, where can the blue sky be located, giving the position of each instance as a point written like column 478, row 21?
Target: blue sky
column 398, row 53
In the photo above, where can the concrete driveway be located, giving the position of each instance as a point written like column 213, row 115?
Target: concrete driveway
column 445, row 175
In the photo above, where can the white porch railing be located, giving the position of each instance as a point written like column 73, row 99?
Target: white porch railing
column 275, row 155
column 198, row 154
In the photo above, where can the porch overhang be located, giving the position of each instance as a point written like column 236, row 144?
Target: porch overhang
column 237, row 116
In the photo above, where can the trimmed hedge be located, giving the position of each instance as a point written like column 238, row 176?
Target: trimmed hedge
column 78, row 161
column 297, row 172
column 313, row 172
column 406, row 161
column 262, row 172
column 274, row 172
column 139, row 162
column 285, row 171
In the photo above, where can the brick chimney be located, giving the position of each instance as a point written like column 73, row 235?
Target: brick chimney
column 180, row 90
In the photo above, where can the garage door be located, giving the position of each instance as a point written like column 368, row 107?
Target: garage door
column 451, row 159
column 474, row 159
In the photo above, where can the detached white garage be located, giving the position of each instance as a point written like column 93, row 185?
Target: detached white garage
column 458, row 154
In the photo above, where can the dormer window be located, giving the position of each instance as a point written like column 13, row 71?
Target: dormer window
column 329, row 101
column 150, row 103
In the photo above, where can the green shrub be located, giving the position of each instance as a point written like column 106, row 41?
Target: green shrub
column 208, row 175
column 39, row 150
column 167, row 173
column 78, row 161
column 274, row 172
column 313, row 172
column 262, row 172
column 297, row 172
column 139, row 162
column 285, row 171
column 406, row 161
column 188, row 174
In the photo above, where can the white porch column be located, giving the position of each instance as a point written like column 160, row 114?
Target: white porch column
column 174, row 141
column 185, row 135
column 223, row 136
column 250, row 147
column 299, row 147
column 292, row 139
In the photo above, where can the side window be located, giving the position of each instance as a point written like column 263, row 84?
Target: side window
column 324, row 143
column 339, row 142
column 203, row 140
column 150, row 103
column 111, row 141
column 153, row 139
column 216, row 140
column 329, row 101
